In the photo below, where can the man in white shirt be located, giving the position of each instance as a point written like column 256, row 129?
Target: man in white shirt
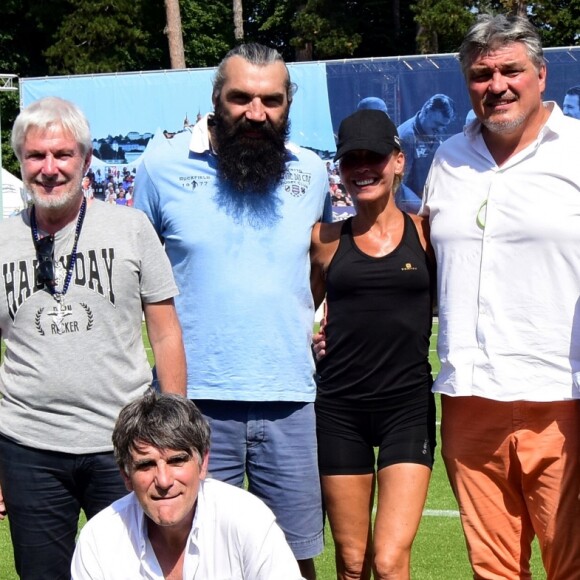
column 177, row 524
column 503, row 200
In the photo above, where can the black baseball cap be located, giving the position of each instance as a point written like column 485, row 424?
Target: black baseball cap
column 367, row 129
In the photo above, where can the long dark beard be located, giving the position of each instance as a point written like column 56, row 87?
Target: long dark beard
column 249, row 169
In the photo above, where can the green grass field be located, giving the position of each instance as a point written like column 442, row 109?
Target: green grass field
column 438, row 552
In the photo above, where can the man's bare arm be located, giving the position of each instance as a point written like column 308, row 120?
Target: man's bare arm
column 167, row 343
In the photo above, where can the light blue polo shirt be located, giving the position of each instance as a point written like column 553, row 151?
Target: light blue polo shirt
column 244, row 301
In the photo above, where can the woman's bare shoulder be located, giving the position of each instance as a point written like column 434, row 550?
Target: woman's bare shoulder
column 422, row 225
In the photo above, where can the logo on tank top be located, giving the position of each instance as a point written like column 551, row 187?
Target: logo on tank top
column 408, row 267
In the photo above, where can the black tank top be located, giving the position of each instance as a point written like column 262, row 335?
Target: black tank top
column 378, row 324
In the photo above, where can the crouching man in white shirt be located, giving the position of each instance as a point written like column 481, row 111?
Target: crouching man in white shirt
column 177, row 524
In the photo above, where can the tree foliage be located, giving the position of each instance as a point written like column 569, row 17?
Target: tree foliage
column 321, row 31
column 208, row 31
column 100, row 36
column 558, row 21
column 271, row 22
column 8, row 112
column 39, row 37
column 388, row 27
column 442, row 23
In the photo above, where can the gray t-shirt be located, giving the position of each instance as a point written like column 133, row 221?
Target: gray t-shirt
column 66, row 376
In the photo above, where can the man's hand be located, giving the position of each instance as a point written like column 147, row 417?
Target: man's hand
column 2, row 506
column 319, row 341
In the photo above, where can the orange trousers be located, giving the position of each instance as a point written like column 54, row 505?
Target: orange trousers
column 515, row 470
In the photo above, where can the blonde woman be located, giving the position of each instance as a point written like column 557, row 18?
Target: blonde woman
column 376, row 272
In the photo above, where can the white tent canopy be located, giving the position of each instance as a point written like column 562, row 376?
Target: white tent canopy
column 13, row 195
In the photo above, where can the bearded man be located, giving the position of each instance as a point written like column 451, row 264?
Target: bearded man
column 235, row 203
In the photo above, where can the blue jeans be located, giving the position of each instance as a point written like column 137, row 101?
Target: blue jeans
column 274, row 445
column 44, row 492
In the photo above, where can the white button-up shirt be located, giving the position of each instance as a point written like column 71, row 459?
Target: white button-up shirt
column 234, row 536
column 507, row 242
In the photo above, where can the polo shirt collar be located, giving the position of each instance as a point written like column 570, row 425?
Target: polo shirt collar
column 199, row 142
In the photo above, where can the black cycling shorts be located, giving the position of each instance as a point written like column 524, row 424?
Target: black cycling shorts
column 347, row 438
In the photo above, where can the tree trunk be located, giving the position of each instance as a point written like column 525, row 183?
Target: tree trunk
column 396, row 10
column 522, row 8
column 516, row 7
column 238, row 21
column 174, row 34
column 304, row 53
column 427, row 41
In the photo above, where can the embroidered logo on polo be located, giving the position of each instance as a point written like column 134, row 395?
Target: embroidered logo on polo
column 296, row 182
column 93, row 270
column 194, row 181
column 408, row 267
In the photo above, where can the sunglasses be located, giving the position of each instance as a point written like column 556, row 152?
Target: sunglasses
column 45, row 255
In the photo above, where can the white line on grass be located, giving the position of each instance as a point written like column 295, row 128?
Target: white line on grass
column 433, row 513
column 441, row 513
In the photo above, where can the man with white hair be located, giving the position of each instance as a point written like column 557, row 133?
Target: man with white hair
column 77, row 277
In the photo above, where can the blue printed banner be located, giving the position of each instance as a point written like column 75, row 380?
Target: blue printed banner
column 425, row 96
